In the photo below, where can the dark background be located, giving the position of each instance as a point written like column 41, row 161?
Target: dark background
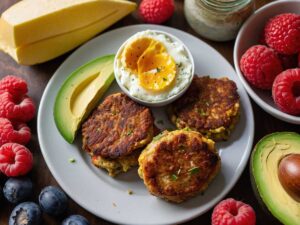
column 37, row 78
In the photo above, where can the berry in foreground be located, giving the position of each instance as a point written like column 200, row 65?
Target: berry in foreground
column 282, row 33
column 15, row 160
column 53, row 201
column 14, row 132
column 156, row 11
column 75, row 220
column 286, row 91
column 26, row 213
column 260, row 65
column 232, row 212
column 17, row 189
column 14, row 85
column 23, row 110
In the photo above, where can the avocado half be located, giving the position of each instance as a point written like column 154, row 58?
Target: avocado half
column 80, row 93
column 264, row 164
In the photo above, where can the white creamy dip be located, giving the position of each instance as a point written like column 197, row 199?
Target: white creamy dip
column 184, row 68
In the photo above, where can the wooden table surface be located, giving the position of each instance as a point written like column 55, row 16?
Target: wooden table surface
column 38, row 76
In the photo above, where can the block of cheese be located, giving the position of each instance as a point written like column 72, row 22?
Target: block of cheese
column 34, row 31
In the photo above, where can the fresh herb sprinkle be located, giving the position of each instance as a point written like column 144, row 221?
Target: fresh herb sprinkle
column 194, row 170
column 72, row 160
column 174, row 177
column 129, row 132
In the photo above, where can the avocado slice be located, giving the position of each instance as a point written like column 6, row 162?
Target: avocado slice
column 80, row 93
column 265, row 160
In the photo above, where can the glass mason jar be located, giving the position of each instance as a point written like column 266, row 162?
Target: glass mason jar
column 217, row 20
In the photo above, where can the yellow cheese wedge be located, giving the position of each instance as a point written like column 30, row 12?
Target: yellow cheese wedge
column 44, row 36
column 30, row 21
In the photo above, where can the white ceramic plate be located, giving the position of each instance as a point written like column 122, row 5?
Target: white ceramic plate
column 248, row 36
column 107, row 197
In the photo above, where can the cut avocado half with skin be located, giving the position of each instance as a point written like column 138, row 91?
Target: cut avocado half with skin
column 80, row 93
column 264, row 164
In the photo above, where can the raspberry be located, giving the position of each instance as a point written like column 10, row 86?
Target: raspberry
column 13, row 132
column 260, row 65
column 15, row 160
column 282, row 33
column 22, row 111
column 156, row 11
column 232, row 212
column 286, row 91
column 14, row 85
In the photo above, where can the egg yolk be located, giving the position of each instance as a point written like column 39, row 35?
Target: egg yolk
column 148, row 58
column 133, row 52
column 156, row 69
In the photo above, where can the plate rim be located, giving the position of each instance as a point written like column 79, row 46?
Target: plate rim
column 68, row 190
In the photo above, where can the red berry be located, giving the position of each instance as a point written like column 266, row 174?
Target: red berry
column 282, row 33
column 15, row 160
column 13, row 132
column 286, row 91
column 14, row 85
column 232, row 212
column 260, row 65
column 22, row 111
column 156, row 11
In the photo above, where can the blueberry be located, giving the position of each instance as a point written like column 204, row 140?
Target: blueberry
column 26, row 213
column 53, row 201
column 75, row 220
column 16, row 190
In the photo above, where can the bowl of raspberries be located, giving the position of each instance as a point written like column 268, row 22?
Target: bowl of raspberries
column 267, row 59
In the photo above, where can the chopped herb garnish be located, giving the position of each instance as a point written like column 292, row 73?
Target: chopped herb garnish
column 157, row 137
column 179, row 65
column 165, row 79
column 129, row 132
column 186, row 129
column 114, row 112
column 160, row 122
column 201, row 112
column 129, row 191
column 194, row 170
column 158, row 69
column 174, row 177
column 72, row 160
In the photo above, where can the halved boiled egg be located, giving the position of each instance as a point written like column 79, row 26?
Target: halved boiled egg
column 150, row 61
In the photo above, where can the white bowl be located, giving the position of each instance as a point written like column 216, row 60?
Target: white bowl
column 161, row 102
column 249, row 35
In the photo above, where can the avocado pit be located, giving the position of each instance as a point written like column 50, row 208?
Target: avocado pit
column 289, row 175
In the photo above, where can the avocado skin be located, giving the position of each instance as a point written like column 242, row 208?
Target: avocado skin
column 62, row 115
column 275, row 218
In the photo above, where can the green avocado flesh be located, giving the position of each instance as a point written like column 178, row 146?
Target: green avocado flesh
column 80, row 93
column 265, row 160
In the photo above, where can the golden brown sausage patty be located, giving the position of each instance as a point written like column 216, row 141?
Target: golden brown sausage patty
column 115, row 130
column 210, row 106
column 179, row 164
